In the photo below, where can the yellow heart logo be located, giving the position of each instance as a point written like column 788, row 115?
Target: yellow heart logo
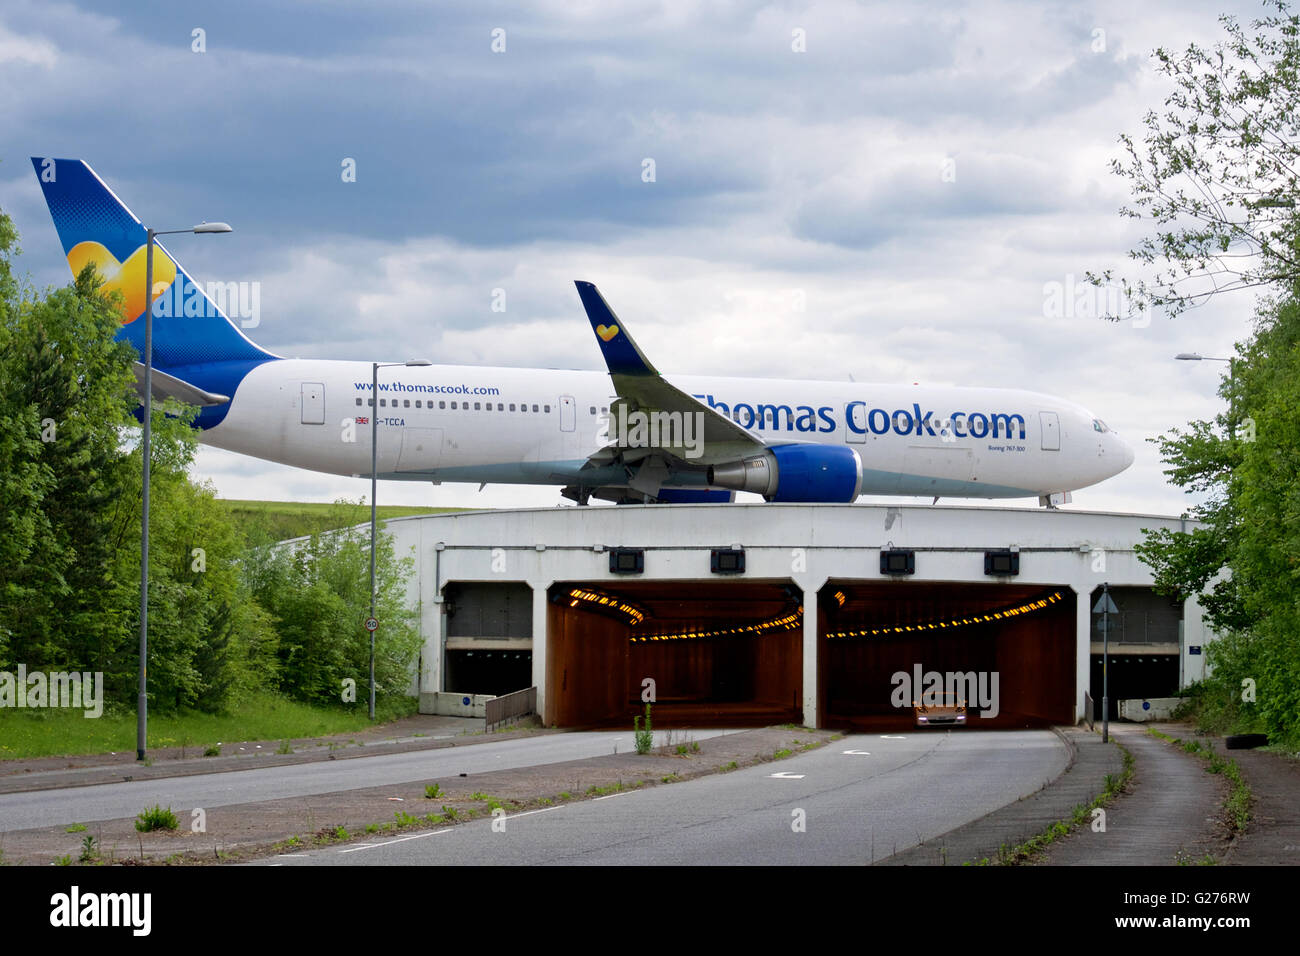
column 607, row 332
column 125, row 277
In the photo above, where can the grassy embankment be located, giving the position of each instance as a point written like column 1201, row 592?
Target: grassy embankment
column 266, row 716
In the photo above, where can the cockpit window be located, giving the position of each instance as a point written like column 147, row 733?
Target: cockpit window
column 1099, row 425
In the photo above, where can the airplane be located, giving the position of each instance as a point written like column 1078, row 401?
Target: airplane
column 627, row 435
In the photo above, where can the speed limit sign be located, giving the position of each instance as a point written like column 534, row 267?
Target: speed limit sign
column 372, row 624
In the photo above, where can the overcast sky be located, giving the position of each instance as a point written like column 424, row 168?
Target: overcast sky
column 920, row 174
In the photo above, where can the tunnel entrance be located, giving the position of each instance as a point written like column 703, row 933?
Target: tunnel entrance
column 489, row 648
column 1008, row 649
column 1145, row 647
column 721, row 652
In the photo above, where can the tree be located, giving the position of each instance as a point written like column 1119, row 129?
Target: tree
column 1216, row 173
column 1245, row 561
column 317, row 593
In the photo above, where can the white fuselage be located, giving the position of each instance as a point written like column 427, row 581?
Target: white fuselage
column 539, row 426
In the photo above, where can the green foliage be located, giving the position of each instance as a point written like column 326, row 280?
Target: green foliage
column 284, row 748
column 213, row 751
column 156, row 818
column 432, row 791
column 1247, row 558
column 645, row 737
column 266, row 522
column 317, row 595
column 75, row 828
column 1215, row 174
column 89, row 849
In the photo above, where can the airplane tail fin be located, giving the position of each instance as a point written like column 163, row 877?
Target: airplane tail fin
column 191, row 332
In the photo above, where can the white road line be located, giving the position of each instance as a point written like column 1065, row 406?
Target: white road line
column 621, row 793
column 371, row 846
column 528, row 813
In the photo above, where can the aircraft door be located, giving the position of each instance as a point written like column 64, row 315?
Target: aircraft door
column 1050, row 423
column 313, row 403
column 568, row 413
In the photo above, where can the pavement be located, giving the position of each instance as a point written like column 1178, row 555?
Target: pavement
column 1171, row 812
column 1081, row 780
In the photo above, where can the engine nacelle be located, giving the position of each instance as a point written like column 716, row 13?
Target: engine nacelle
column 795, row 473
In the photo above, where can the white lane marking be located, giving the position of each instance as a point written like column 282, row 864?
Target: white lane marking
column 529, row 813
column 892, row 737
column 371, row 846
column 861, row 753
column 786, row 775
column 621, row 793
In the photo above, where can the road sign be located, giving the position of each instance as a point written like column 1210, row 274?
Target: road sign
column 1105, row 604
column 372, row 624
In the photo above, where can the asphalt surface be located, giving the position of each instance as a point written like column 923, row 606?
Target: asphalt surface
column 1170, row 815
column 860, row 799
column 53, row 807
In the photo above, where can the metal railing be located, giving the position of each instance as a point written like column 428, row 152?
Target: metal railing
column 509, row 707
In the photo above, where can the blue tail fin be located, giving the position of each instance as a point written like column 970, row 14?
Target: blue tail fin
column 192, row 337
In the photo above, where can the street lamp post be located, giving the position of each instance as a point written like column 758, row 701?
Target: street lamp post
column 1198, row 357
column 142, row 705
column 371, row 623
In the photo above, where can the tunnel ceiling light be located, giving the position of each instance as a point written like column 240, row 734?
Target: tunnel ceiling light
column 787, row 622
column 1028, row 607
column 611, row 605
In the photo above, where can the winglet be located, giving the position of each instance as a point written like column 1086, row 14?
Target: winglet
column 621, row 353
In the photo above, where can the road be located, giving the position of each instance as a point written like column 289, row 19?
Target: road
column 43, row 808
column 860, row 799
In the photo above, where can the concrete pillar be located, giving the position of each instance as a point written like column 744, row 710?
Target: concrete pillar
column 1083, row 645
column 540, row 610
column 810, row 675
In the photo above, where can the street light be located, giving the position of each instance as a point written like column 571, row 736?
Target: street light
column 1198, row 357
column 142, row 705
column 372, row 623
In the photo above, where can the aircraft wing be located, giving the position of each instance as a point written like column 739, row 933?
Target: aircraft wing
column 641, row 388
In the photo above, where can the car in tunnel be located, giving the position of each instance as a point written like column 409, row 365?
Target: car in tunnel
column 939, row 710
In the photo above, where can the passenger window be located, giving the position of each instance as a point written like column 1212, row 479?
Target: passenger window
column 358, row 401
column 453, row 406
column 534, row 408
column 442, row 404
column 406, row 403
column 478, row 406
column 512, row 406
column 547, row 409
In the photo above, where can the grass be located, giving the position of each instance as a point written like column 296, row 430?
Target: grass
column 52, row 732
column 781, row 754
column 432, row 791
column 156, row 818
column 279, row 520
column 75, row 828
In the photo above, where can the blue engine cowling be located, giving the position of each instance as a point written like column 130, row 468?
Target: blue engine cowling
column 796, row 473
